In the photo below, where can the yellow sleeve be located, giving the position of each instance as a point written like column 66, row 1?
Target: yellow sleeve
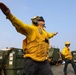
column 64, row 52
column 50, row 35
column 21, row 27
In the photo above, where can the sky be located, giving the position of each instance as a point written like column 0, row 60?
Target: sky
column 59, row 15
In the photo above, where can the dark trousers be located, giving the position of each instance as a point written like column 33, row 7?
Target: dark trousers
column 36, row 68
column 67, row 61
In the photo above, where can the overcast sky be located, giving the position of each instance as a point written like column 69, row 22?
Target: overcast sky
column 59, row 15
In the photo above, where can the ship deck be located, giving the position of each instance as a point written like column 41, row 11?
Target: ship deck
column 58, row 70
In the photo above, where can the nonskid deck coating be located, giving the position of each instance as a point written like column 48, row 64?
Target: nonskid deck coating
column 58, row 70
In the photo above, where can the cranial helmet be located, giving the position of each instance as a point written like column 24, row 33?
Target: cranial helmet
column 67, row 43
column 36, row 19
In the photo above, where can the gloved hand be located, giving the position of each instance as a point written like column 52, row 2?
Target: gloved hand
column 55, row 33
column 4, row 9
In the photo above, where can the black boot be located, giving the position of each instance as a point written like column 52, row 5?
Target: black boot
column 65, row 73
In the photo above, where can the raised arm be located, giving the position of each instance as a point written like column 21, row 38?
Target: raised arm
column 20, row 26
column 52, row 34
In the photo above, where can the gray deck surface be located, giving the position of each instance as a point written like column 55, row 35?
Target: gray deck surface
column 58, row 70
